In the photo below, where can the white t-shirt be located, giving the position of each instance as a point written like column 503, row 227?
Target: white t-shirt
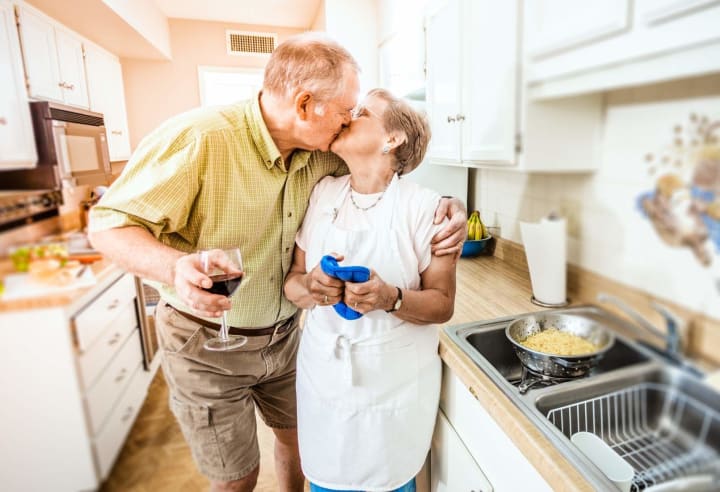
column 415, row 210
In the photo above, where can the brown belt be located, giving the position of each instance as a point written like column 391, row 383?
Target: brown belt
column 278, row 329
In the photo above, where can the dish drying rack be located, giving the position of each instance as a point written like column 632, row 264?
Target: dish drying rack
column 662, row 433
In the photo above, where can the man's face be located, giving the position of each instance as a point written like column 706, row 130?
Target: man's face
column 336, row 114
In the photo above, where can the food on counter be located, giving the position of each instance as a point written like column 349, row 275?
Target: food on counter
column 476, row 228
column 54, row 272
column 23, row 256
column 554, row 341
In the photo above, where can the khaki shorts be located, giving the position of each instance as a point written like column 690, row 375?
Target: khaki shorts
column 214, row 394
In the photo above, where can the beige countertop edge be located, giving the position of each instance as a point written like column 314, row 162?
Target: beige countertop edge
column 543, row 455
column 71, row 300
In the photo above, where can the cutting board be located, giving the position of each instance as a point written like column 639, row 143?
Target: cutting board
column 23, row 286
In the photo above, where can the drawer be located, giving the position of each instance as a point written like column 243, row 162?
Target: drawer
column 107, row 344
column 101, row 397
column 110, row 440
column 103, row 310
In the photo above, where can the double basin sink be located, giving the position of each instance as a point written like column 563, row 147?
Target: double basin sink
column 654, row 412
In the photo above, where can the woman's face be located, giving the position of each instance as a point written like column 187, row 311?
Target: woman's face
column 366, row 134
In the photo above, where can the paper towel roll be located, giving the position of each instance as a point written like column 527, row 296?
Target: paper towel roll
column 546, row 251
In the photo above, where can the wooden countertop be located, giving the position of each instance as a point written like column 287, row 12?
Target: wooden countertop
column 488, row 288
column 105, row 273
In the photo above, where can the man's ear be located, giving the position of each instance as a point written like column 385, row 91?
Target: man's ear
column 303, row 103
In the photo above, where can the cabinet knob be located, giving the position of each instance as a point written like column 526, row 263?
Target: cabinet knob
column 116, row 132
column 115, row 339
column 460, row 117
column 128, row 414
column 121, row 375
column 451, row 119
column 3, row 121
column 115, row 303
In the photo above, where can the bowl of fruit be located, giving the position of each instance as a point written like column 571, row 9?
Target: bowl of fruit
column 478, row 238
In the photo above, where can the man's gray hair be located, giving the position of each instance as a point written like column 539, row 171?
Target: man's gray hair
column 310, row 61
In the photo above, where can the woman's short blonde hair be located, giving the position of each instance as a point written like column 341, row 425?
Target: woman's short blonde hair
column 311, row 62
column 399, row 116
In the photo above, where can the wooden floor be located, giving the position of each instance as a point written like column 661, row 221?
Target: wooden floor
column 155, row 457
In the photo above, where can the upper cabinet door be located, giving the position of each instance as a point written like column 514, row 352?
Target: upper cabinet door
column 40, row 55
column 443, row 90
column 107, row 96
column 556, row 25
column 17, row 145
column 490, row 88
column 53, row 59
column 72, row 68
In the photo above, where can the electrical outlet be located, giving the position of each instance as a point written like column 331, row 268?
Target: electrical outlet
column 570, row 209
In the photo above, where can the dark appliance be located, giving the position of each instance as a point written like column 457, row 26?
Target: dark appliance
column 19, row 208
column 71, row 146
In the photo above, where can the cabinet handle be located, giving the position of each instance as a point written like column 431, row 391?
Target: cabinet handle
column 115, row 339
column 62, row 84
column 451, row 119
column 70, row 87
column 128, row 414
column 113, row 305
column 122, row 375
column 116, row 132
column 460, row 117
column 3, row 121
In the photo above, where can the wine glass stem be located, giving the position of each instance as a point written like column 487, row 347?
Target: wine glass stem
column 224, row 328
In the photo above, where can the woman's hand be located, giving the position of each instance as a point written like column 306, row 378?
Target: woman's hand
column 324, row 289
column 371, row 295
column 189, row 282
column 449, row 241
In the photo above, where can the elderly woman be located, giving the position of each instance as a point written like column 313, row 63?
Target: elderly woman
column 368, row 388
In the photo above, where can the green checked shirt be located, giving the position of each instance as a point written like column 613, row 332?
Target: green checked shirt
column 213, row 178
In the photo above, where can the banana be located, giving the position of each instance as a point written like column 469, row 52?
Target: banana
column 472, row 225
column 476, row 228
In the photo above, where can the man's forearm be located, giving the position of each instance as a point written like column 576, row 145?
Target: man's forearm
column 137, row 251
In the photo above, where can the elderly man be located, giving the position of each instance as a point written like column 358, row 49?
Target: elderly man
column 236, row 175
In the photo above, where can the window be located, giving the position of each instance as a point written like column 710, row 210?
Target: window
column 225, row 85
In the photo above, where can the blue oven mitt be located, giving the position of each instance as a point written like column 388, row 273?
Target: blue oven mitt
column 330, row 266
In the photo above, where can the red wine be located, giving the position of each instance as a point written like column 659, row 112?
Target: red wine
column 225, row 284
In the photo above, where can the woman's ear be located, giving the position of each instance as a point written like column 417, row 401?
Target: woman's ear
column 395, row 140
column 303, row 103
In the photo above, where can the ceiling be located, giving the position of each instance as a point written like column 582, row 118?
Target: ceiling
column 286, row 13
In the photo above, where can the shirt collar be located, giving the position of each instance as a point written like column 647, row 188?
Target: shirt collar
column 266, row 145
column 261, row 135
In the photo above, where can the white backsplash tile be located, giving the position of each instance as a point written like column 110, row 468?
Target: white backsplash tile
column 612, row 237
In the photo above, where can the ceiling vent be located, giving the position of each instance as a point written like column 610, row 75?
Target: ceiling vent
column 250, row 43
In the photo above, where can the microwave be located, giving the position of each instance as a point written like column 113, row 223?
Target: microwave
column 71, row 146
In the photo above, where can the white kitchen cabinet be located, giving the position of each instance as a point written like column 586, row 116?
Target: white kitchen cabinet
column 479, row 110
column 107, row 96
column 617, row 43
column 472, row 79
column 452, row 466
column 17, row 145
column 74, row 381
column 53, row 59
column 492, row 451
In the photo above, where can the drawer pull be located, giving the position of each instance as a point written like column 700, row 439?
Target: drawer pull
column 128, row 414
column 113, row 305
column 115, row 339
column 121, row 376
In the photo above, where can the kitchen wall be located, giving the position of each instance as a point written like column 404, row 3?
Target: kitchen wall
column 157, row 90
column 607, row 232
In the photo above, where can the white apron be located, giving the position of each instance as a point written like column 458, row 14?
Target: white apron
column 367, row 389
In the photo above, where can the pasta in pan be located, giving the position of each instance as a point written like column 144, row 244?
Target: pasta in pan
column 554, row 341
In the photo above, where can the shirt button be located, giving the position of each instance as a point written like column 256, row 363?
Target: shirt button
column 287, row 249
column 289, row 214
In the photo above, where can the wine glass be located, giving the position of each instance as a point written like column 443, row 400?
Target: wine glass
column 225, row 269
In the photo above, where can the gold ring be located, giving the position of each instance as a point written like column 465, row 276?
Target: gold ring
column 326, row 299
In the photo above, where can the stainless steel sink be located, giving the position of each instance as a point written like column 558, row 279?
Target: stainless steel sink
column 661, row 419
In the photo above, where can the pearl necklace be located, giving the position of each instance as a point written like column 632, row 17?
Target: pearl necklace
column 365, row 209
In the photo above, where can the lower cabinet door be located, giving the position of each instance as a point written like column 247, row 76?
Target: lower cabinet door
column 452, row 468
column 111, row 437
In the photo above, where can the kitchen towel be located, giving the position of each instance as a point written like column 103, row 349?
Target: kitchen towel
column 546, row 251
column 353, row 273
